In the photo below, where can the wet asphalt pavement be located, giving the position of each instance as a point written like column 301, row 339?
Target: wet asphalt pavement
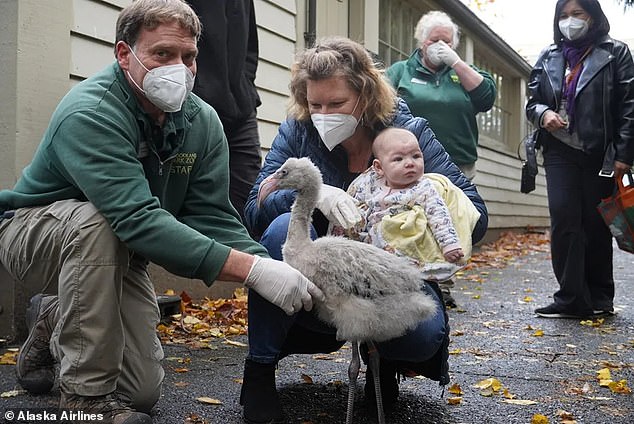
column 495, row 334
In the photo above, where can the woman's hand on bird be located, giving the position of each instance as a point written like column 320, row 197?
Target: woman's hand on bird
column 282, row 285
column 552, row 121
column 338, row 206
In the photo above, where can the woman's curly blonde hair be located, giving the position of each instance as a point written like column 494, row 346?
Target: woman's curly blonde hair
column 340, row 56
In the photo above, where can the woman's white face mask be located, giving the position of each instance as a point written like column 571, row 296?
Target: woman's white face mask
column 431, row 54
column 167, row 86
column 573, row 28
column 334, row 128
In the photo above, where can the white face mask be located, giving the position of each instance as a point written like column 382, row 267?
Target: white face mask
column 573, row 28
column 431, row 54
column 167, row 86
column 334, row 128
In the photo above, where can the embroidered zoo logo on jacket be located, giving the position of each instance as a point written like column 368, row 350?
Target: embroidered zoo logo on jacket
column 183, row 163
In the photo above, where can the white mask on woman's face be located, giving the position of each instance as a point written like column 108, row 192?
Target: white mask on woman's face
column 167, row 86
column 334, row 128
column 573, row 28
column 431, row 54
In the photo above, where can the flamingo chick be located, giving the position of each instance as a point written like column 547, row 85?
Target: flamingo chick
column 370, row 295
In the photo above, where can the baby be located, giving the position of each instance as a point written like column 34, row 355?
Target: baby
column 405, row 214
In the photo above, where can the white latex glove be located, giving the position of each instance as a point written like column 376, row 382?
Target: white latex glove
column 338, row 206
column 447, row 54
column 282, row 285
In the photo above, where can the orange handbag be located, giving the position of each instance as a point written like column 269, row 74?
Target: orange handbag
column 618, row 213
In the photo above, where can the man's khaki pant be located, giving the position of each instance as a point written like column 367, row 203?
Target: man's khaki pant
column 105, row 339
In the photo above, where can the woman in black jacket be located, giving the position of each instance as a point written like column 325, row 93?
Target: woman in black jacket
column 582, row 97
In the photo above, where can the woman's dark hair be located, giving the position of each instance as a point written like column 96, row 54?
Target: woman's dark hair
column 598, row 27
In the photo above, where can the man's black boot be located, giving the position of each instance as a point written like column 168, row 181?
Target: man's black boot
column 259, row 396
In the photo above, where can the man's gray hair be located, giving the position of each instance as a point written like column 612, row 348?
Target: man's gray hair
column 149, row 14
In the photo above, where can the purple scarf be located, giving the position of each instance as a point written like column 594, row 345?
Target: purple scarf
column 573, row 55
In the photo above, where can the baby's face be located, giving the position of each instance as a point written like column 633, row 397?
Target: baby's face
column 402, row 163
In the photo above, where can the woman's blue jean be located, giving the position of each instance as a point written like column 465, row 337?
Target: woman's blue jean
column 274, row 335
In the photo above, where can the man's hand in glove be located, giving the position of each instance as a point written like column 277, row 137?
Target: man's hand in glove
column 282, row 285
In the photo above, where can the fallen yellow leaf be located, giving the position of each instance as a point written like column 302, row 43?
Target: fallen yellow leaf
column 538, row 333
column 234, row 343
column 523, row 402
column 605, row 382
column 12, row 393
column 508, row 394
column 620, row 387
column 604, row 374
column 539, row 419
column 190, row 320
column 590, row 323
column 566, row 417
column 323, row 357
column 455, row 352
column 8, row 358
column 455, row 389
column 492, row 383
column 209, row 401
column 454, row 400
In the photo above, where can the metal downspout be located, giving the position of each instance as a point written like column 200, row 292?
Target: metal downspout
column 311, row 34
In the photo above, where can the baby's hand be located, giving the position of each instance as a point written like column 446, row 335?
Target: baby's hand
column 454, row 255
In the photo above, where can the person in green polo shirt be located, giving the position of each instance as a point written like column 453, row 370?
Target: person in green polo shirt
column 439, row 86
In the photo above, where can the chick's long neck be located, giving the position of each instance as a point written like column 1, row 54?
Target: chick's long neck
column 301, row 217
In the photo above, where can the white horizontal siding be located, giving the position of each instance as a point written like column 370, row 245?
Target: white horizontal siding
column 289, row 6
column 275, row 49
column 498, row 182
column 85, row 22
column 277, row 33
column 272, row 77
column 88, row 56
column 268, row 131
column 279, row 21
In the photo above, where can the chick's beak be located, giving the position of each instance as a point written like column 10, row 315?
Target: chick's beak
column 267, row 186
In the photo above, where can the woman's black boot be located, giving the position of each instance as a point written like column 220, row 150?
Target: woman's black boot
column 259, row 398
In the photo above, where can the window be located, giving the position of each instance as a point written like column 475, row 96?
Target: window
column 397, row 21
column 495, row 122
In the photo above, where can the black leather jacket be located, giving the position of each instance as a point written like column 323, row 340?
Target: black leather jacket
column 604, row 98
